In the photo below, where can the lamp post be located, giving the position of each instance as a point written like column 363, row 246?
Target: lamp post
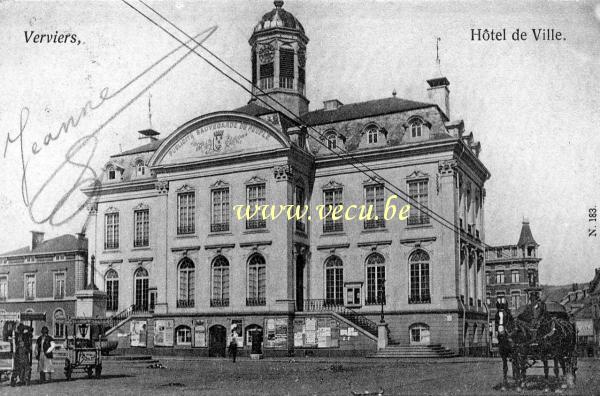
column 382, row 299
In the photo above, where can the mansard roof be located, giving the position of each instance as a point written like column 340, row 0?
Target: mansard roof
column 63, row 243
column 366, row 109
column 149, row 147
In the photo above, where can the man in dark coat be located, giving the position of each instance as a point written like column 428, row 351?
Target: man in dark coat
column 22, row 364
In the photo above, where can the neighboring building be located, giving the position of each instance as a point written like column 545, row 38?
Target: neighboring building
column 582, row 304
column 510, row 271
column 44, row 277
column 180, row 270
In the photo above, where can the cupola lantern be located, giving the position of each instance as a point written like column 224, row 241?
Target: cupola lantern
column 279, row 62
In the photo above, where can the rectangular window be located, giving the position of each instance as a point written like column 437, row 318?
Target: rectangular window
column 300, row 225
column 257, row 284
column 515, row 276
column 286, row 68
column 29, row 286
column 515, row 300
column 374, row 197
column 500, row 296
column 256, row 196
column 499, row 277
column 111, row 231
column 3, row 287
column 487, row 278
column 419, row 194
column 112, row 294
column 184, row 336
column 141, row 228
column 220, row 210
column 186, row 213
column 331, row 199
column 375, row 285
column 419, row 283
column 353, row 295
column 59, row 285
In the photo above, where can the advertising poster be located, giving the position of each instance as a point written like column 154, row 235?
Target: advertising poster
column 163, row 332
column 138, row 332
column 199, row 334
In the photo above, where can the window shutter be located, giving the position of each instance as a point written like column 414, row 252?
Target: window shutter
column 253, row 66
column 286, row 63
column 267, row 70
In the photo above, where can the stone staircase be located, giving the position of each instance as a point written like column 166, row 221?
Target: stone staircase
column 434, row 351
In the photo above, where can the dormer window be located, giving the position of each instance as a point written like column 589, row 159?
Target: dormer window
column 373, row 135
column 416, row 128
column 112, row 173
column 332, row 141
column 140, row 168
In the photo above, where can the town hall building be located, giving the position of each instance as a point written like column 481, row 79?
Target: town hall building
column 181, row 272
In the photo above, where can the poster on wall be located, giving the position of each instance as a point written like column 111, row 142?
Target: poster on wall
column 276, row 333
column 236, row 327
column 138, row 333
column 163, row 332
column 199, row 334
column 299, row 332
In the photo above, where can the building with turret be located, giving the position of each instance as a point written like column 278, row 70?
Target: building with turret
column 181, row 271
column 512, row 270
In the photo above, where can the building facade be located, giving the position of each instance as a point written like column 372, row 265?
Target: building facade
column 44, row 278
column 510, row 271
column 181, row 271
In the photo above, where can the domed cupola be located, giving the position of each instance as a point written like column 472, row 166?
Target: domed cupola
column 278, row 18
column 279, row 62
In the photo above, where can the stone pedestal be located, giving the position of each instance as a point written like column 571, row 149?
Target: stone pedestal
column 382, row 335
column 90, row 304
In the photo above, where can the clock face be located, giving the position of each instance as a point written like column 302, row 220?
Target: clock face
column 266, row 53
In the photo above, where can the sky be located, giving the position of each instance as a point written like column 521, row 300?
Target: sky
column 533, row 105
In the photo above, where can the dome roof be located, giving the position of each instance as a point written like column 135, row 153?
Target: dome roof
column 278, row 18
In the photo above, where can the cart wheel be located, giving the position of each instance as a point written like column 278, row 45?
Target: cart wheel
column 90, row 371
column 98, row 371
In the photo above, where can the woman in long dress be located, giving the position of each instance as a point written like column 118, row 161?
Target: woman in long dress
column 45, row 346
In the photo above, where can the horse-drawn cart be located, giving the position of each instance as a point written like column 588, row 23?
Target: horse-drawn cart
column 81, row 353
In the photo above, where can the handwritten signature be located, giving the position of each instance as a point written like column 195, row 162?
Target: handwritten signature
column 80, row 154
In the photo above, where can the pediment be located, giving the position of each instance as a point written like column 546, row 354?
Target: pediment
column 224, row 134
column 418, row 175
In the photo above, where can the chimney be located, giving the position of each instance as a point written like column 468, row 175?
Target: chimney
column 150, row 134
column 332, row 104
column 439, row 94
column 37, row 237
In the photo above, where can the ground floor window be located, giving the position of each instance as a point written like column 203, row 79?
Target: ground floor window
column 419, row 334
column 184, row 335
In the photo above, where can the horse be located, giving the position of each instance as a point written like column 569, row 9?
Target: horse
column 513, row 338
column 557, row 339
column 545, row 337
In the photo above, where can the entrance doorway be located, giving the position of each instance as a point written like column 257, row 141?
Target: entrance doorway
column 300, row 283
column 217, row 341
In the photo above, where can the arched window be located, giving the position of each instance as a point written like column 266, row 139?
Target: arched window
column 334, row 281
column 220, row 282
column 375, row 279
column 257, row 280
column 183, row 335
column 332, row 140
column 419, row 278
column 140, row 168
column 419, row 334
column 416, row 128
column 112, row 173
column 111, row 280
column 186, row 284
column 59, row 323
column 141, row 289
column 373, row 134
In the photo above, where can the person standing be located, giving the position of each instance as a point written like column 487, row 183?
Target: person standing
column 233, row 346
column 45, row 346
column 22, row 369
